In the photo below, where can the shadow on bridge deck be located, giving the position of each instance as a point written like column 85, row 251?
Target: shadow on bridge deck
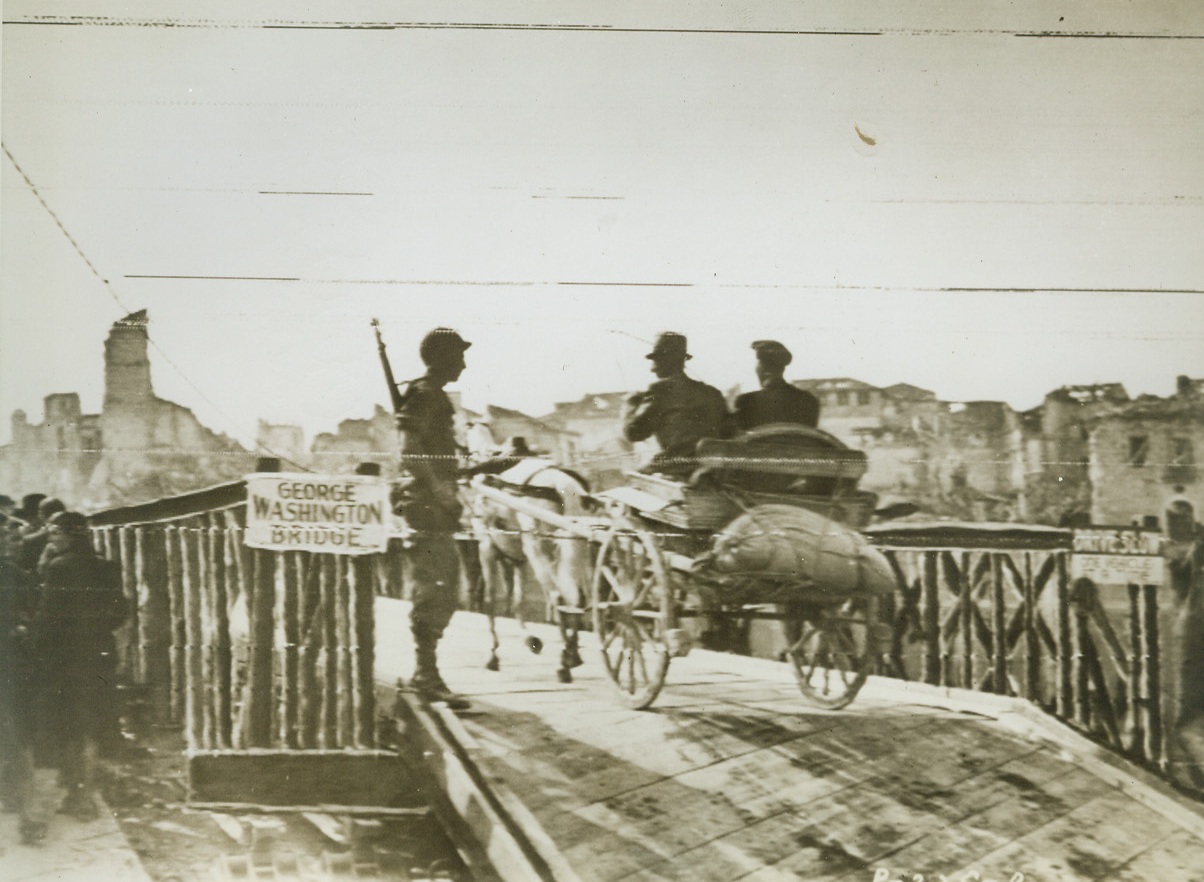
column 733, row 776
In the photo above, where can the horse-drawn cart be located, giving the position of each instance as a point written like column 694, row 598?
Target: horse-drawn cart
column 765, row 527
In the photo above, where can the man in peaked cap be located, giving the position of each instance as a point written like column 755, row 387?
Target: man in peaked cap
column 677, row 410
column 776, row 401
column 431, row 505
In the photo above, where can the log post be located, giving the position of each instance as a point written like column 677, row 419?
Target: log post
column 931, row 668
column 206, row 574
column 1083, row 597
column 175, row 580
column 1065, row 688
column 128, row 651
column 1153, row 674
column 363, row 657
column 330, row 681
column 343, row 636
column 999, row 625
column 1032, row 642
column 310, row 614
column 154, row 616
column 194, row 684
column 222, row 654
column 966, row 584
column 1136, row 670
column 288, row 611
column 259, row 660
column 240, row 588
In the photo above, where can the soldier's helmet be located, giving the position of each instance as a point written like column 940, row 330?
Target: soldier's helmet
column 439, row 344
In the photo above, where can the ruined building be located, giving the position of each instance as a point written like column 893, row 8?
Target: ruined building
column 1142, row 454
column 138, row 447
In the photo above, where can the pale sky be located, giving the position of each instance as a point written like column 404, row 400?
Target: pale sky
column 564, row 184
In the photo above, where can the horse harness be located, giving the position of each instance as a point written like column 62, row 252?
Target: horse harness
column 547, row 494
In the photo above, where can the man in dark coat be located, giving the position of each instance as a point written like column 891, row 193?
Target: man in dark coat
column 677, row 410
column 431, row 506
column 776, row 401
column 80, row 605
column 17, row 670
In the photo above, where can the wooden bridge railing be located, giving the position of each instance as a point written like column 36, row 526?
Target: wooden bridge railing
column 244, row 647
column 249, row 648
column 998, row 611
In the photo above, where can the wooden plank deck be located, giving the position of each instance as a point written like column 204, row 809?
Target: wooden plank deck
column 731, row 775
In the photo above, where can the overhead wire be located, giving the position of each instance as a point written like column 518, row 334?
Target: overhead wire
column 126, row 310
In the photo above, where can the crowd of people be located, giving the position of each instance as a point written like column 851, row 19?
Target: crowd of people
column 60, row 603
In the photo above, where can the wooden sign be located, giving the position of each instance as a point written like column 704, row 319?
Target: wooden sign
column 338, row 514
column 1117, row 556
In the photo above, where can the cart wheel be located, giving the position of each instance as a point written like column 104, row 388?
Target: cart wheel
column 632, row 605
column 832, row 657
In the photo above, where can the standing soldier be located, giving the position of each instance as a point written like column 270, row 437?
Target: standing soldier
column 431, row 505
column 776, row 401
column 677, row 410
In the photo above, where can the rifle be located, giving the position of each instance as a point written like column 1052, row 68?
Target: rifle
column 394, row 392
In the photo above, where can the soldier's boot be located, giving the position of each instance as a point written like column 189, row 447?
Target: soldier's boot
column 426, row 682
column 32, row 832
column 80, row 803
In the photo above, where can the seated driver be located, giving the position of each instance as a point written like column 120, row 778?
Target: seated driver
column 677, row 410
column 776, row 401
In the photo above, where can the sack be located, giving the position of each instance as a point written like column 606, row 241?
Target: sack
column 795, row 544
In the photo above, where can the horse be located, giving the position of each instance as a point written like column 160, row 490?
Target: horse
column 510, row 540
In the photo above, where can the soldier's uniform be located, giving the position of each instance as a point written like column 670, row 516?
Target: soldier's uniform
column 430, row 506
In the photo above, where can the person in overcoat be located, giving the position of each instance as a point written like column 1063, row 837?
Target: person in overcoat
column 776, row 401
column 677, row 410
column 80, row 605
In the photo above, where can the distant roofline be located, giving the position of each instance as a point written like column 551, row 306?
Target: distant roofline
column 834, row 383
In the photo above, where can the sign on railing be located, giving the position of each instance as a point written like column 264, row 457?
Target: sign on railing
column 337, row 514
column 1117, row 556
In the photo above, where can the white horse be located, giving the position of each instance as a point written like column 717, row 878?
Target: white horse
column 509, row 540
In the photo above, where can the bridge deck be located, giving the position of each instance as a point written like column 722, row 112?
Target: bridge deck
column 733, row 776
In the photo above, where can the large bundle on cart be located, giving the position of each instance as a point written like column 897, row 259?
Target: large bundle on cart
column 801, row 549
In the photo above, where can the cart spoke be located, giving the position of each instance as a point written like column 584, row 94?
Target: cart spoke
column 643, row 668
column 641, row 633
column 631, row 669
column 609, row 638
